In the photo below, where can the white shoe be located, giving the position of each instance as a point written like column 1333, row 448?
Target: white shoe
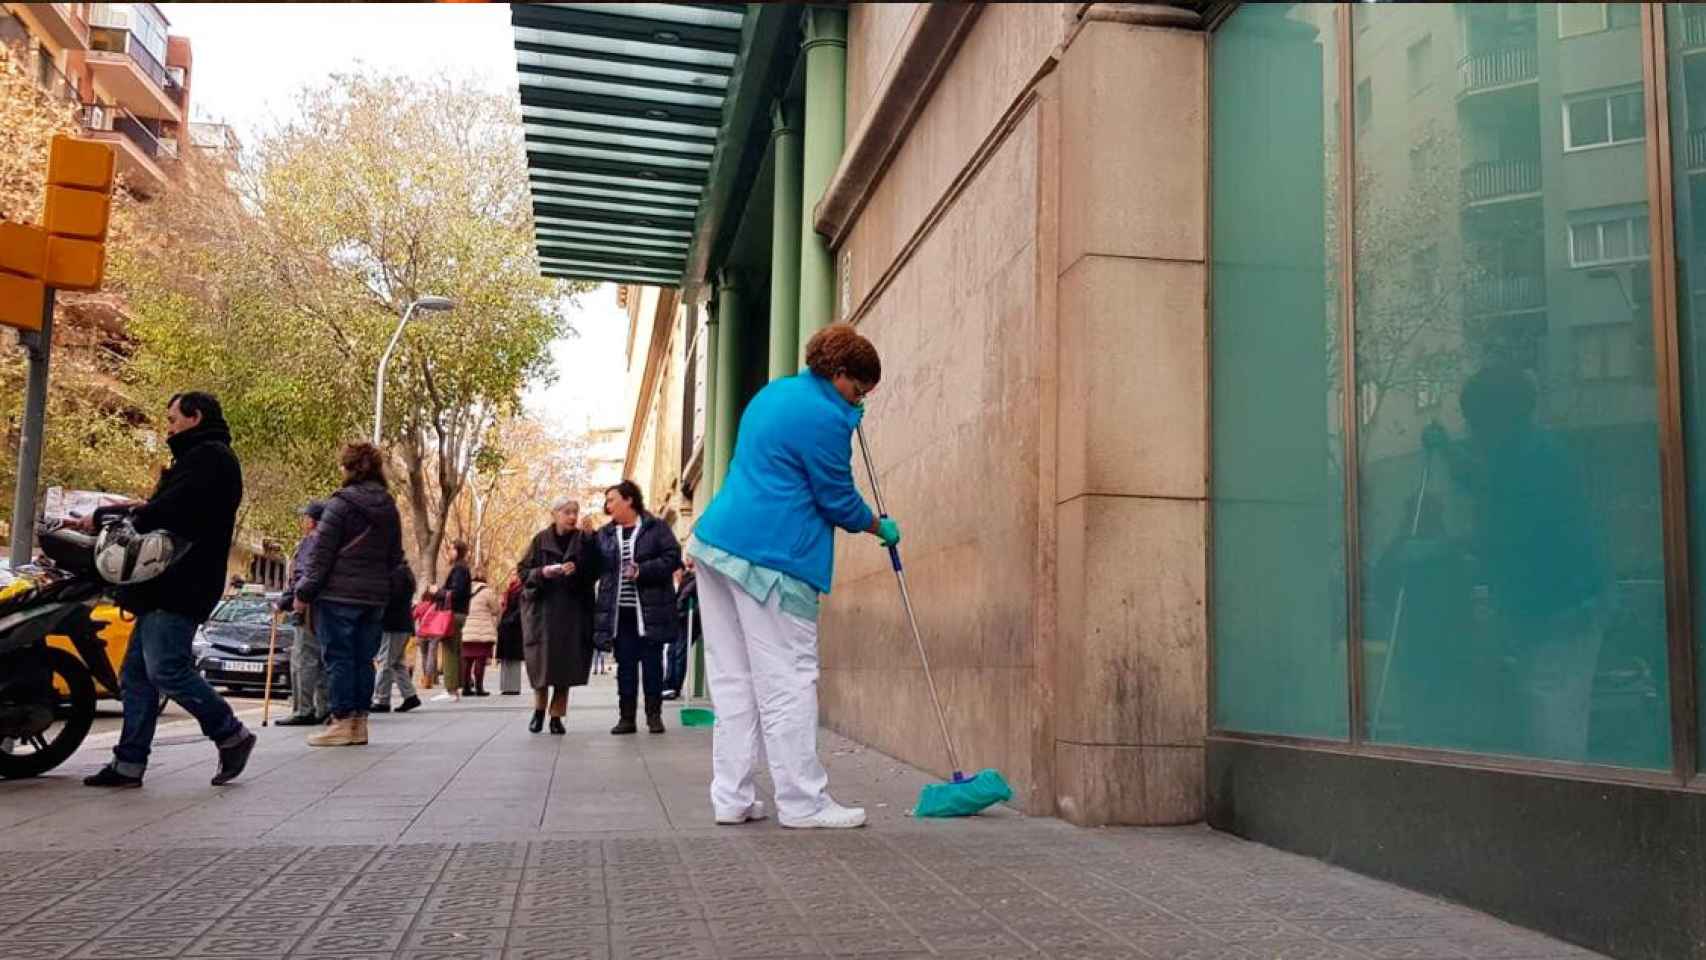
column 443, row 698
column 754, row 812
column 832, row 817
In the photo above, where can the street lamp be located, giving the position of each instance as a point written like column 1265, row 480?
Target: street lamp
column 423, row 303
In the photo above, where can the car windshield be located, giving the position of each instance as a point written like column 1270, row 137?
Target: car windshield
column 243, row 611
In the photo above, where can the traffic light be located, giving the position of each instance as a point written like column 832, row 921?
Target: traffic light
column 23, row 261
column 79, row 204
column 70, row 253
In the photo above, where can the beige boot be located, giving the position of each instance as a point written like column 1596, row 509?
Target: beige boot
column 338, row 733
column 358, row 732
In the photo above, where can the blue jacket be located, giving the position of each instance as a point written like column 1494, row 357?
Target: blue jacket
column 791, row 482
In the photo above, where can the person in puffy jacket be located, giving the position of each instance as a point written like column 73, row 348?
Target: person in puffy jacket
column 398, row 627
column 358, row 546
column 635, row 613
column 479, row 634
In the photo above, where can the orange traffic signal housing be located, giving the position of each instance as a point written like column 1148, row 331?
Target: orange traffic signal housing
column 74, row 264
column 23, row 250
column 83, row 164
column 21, row 301
column 78, row 213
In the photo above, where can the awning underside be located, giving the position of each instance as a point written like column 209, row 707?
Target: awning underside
column 622, row 104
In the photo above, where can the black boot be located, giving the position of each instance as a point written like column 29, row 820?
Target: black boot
column 557, row 727
column 625, row 718
column 537, row 723
column 654, row 714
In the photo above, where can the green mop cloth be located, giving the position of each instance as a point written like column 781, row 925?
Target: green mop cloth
column 963, row 798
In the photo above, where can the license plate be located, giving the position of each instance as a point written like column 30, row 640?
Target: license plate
column 240, row 666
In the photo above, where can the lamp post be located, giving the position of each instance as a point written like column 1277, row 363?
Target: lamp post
column 424, row 303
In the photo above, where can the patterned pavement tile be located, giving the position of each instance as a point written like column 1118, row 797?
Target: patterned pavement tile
column 570, row 950
column 770, row 946
column 656, row 911
column 63, row 932
column 480, row 938
column 664, row 950
column 665, row 932
column 357, row 905
column 37, row 951
column 865, row 944
column 595, row 917
column 243, row 945
column 132, row 948
column 263, row 926
column 365, row 923
column 738, row 928
column 547, row 936
column 342, row 942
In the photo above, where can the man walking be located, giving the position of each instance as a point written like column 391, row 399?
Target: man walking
column 308, row 693
column 196, row 499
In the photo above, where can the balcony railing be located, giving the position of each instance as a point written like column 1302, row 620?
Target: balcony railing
column 1509, row 293
column 1695, row 150
column 1693, row 22
column 1497, row 68
column 1497, row 179
column 115, row 40
column 106, row 118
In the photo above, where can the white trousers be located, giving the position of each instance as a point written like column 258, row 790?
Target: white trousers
column 762, row 666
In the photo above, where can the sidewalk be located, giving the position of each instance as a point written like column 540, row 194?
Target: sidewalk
column 455, row 834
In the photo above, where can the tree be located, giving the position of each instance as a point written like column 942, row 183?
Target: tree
column 525, row 467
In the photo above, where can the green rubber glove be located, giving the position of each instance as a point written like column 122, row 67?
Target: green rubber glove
column 888, row 531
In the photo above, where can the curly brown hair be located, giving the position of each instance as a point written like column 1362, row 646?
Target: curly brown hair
column 362, row 462
column 838, row 348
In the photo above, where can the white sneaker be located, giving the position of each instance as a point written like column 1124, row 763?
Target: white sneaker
column 832, row 817
column 754, row 812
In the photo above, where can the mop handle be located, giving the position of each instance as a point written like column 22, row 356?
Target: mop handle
column 906, row 602
column 1398, row 607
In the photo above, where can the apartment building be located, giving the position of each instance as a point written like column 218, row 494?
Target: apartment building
column 123, row 69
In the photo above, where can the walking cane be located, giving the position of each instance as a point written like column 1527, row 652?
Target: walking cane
column 1398, row 608
column 272, row 647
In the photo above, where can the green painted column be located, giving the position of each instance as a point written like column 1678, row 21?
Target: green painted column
column 825, row 53
column 707, row 474
column 731, row 310
column 785, row 225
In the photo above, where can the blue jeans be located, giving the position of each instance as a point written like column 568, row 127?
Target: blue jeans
column 639, row 661
column 159, row 663
column 349, row 635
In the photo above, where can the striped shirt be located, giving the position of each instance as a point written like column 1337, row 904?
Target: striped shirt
column 628, row 594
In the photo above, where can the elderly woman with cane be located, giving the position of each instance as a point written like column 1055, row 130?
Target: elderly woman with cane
column 763, row 552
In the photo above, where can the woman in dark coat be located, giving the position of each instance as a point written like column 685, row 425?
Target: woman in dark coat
column 511, row 651
column 636, row 600
column 557, row 575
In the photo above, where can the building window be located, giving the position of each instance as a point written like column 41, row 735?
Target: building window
column 1598, row 243
column 1420, row 62
column 1509, row 562
column 1580, row 19
column 1604, row 119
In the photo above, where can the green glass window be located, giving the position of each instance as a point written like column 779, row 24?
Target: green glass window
column 1512, row 564
column 1278, row 512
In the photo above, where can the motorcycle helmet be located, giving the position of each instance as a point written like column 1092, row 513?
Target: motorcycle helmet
column 124, row 556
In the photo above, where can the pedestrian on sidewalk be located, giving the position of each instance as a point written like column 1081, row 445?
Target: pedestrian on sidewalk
column 358, row 547
column 675, row 658
column 426, row 639
column 636, row 601
column 511, row 650
column 398, row 627
column 763, row 551
column 558, row 574
column 308, row 697
column 196, row 499
column 453, row 596
column 480, row 636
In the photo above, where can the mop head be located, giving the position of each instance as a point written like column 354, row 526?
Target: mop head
column 963, row 798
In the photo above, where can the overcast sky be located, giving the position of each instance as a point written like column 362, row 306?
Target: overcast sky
column 250, row 59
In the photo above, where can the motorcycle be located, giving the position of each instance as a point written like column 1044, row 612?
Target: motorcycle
column 47, row 695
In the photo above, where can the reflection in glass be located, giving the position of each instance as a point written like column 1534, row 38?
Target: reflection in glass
column 1278, row 522
column 1685, row 33
column 1512, row 579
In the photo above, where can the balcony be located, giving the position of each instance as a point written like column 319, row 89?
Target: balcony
column 1494, row 181
column 1692, row 28
column 136, row 146
column 133, row 74
column 1694, row 150
column 1506, row 293
column 62, row 22
column 1497, row 69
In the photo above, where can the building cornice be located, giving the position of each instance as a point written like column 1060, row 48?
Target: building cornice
column 926, row 49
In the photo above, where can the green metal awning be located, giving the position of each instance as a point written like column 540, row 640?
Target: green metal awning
column 623, row 105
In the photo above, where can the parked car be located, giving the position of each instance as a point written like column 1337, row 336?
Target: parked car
column 231, row 648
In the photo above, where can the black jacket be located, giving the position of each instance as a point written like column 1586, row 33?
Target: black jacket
column 197, row 499
column 399, row 615
column 357, row 546
column 658, row 555
column 458, row 589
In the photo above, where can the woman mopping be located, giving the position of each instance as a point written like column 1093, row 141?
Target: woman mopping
column 764, row 550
